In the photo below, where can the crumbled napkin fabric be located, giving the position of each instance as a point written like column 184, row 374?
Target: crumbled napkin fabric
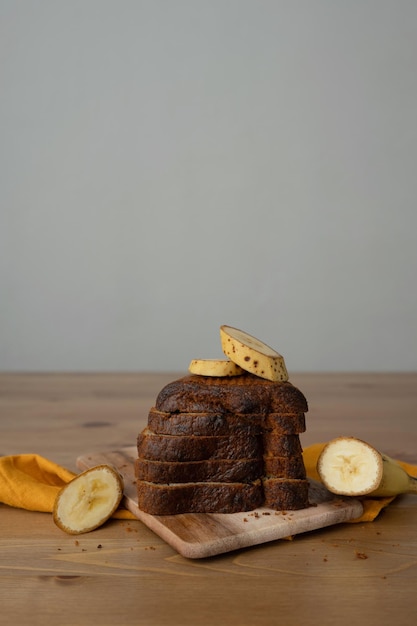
column 371, row 506
column 31, row 482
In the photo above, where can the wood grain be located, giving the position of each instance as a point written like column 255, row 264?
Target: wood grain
column 124, row 573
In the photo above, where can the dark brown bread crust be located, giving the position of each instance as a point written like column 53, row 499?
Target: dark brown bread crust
column 239, row 394
column 213, row 424
column 224, row 471
column 288, row 424
column 284, row 467
column 201, row 497
column 281, row 445
column 283, row 494
column 198, row 448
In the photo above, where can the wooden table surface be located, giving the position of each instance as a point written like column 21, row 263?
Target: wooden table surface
column 124, row 574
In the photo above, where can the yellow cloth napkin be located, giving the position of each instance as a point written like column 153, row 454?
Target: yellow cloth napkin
column 29, row 481
column 371, row 506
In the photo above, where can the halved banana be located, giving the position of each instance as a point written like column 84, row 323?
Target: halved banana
column 214, row 367
column 252, row 355
column 87, row 501
column 352, row 467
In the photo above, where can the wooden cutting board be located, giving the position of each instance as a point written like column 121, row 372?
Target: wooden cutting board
column 202, row 535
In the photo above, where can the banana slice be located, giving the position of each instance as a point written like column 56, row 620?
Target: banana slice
column 88, row 500
column 352, row 467
column 252, row 355
column 213, row 367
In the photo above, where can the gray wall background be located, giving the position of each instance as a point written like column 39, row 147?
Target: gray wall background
column 168, row 166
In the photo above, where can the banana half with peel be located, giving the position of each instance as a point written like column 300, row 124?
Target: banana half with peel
column 351, row 467
column 88, row 500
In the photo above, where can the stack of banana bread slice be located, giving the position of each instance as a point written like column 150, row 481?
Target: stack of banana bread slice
column 222, row 445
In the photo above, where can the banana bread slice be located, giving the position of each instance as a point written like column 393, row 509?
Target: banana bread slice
column 199, row 497
column 207, row 424
column 222, row 471
column 284, row 424
column 156, row 447
column 284, row 466
column 281, row 445
column 284, row 494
